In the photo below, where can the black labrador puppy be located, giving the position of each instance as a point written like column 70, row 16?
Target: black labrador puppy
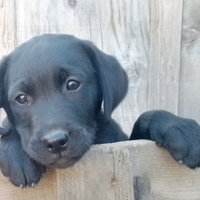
column 59, row 93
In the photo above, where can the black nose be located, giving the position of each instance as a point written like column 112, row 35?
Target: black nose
column 56, row 143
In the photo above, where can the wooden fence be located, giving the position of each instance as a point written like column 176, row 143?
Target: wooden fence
column 158, row 44
column 123, row 171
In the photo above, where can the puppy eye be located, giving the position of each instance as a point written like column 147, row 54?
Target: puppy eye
column 22, row 99
column 73, row 85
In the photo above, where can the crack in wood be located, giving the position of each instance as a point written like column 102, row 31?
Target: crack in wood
column 141, row 188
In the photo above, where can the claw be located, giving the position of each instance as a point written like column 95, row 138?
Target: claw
column 21, row 186
column 180, row 162
column 196, row 169
column 43, row 175
column 159, row 144
column 33, row 185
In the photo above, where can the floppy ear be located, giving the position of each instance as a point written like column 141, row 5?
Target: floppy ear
column 3, row 67
column 112, row 78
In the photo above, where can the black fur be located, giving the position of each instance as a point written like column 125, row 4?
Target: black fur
column 180, row 136
column 56, row 125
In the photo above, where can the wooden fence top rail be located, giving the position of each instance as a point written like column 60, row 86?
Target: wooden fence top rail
column 133, row 170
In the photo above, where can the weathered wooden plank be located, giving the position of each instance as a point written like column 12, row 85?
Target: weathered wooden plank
column 164, row 58
column 189, row 97
column 110, row 171
column 7, row 27
column 134, row 170
column 7, row 32
column 98, row 181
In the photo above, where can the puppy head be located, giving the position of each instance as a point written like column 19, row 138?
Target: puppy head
column 52, row 88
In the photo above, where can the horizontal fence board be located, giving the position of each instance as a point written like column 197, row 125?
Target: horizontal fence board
column 122, row 171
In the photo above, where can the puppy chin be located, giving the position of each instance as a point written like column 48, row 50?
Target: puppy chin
column 62, row 163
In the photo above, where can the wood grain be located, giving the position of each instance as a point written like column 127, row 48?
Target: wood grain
column 7, row 27
column 120, row 171
column 164, row 59
column 189, row 97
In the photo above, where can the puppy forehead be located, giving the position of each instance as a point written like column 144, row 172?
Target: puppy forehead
column 46, row 54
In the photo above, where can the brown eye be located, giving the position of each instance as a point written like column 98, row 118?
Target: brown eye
column 22, row 99
column 73, row 85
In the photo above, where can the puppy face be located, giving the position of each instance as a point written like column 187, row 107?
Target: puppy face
column 52, row 91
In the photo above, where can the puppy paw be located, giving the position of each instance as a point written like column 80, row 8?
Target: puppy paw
column 15, row 164
column 179, row 136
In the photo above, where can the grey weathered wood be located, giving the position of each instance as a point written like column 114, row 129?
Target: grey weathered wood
column 164, row 57
column 135, row 170
column 7, row 27
column 189, row 97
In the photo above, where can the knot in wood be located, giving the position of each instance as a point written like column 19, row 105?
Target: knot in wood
column 72, row 3
column 114, row 181
column 189, row 35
